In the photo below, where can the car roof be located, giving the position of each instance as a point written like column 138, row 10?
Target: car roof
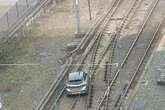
column 76, row 75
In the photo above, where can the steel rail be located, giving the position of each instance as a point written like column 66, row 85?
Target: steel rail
column 121, row 28
column 98, row 34
column 57, row 99
column 127, row 55
column 94, row 69
column 114, row 34
column 141, row 62
column 132, row 9
column 24, row 19
column 110, row 61
column 102, row 21
column 51, row 90
column 54, row 86
column 45, row 99
column 92, row 29
column 90, row 92
column 74, row 103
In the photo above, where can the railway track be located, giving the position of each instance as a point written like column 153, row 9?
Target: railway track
column 80, row 101
column 128, row 63
column 130, row 85
column 108, row 64
column 94, row 46
column 83, row 102
column 108, row 73
column 56, row 89
column 95, row 43
column 94, row 28
column 94, row 36
column 101, row 57
column 48, row 102
column 94, row 49
column 98, row 31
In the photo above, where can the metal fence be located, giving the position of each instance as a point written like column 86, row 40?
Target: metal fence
column 15, row 13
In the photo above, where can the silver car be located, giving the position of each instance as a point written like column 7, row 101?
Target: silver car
column 77, row 83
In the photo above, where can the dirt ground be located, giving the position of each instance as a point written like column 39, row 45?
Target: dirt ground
column 40, row 45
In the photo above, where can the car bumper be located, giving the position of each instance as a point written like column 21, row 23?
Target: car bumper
column 76, row 92
column 161, row 82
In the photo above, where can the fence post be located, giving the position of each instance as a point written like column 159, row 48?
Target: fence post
column 27, row 3
column 55, row 2
column 16, row 5
column 7, row 19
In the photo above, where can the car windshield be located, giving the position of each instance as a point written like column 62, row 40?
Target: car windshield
column 75, row 78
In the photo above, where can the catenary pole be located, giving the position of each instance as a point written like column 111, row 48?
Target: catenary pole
column 89, row 8
column 77, row 16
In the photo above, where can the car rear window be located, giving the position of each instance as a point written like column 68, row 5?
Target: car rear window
column 75, row 78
